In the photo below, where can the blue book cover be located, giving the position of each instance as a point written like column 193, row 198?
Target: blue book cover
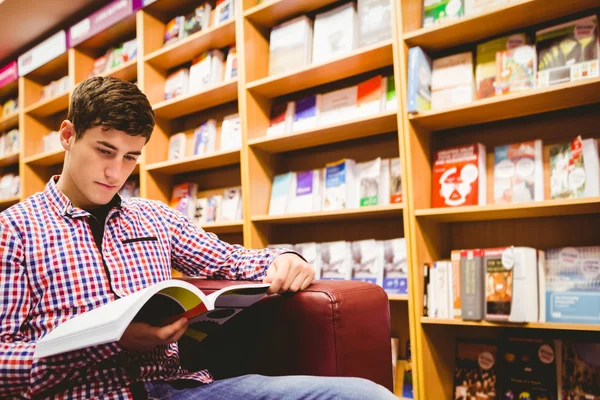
column 419, row 81
column 306, row 108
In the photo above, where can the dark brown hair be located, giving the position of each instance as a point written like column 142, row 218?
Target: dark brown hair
column 111, row 102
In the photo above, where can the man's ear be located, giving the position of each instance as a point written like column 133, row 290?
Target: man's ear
column 67, row 134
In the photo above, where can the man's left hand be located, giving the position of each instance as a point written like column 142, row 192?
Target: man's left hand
column 288, row 272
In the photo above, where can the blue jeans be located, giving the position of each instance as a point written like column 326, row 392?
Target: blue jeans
column 259, row 387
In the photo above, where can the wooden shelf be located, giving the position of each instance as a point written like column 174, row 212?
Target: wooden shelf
column 347, row 130
column 126, row 71
column 9, row 90
column 530, row 325
column 46, row 159
column 216, row 95
column 528, row 102
column 52, row 70
column 515, row 15
column 372, row 212
column 9, row 159
column 9, row 121
column 189, row 164
column 180, row 52
column 9, row 201
column 49, row 106
column 224, row 227
column 534, row 209
column 363, row 60
column 398, row 297
column 273, row 12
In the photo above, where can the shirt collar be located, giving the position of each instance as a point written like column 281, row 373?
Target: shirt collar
column 64, row 205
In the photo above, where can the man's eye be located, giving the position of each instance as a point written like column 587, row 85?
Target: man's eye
column 130, row 158
column 104, row 151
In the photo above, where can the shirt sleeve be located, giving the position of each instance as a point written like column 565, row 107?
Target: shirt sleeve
column 195, row 252
column 19, row 372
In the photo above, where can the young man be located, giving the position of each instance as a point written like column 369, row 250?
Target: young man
column 75, row 246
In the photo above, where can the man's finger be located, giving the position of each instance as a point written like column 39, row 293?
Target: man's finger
column 177, row 335
column 281, row 273
column 167, row 331
column 308, row 280
column 295, row 286
column 270, row 274
column 296, row 268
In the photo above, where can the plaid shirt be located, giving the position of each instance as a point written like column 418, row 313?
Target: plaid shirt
column 52, row 270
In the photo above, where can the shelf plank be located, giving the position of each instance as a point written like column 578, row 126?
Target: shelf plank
column 273, row 12
column 9, row 90
column 224, row 227
column 398, row 297
column 49, row 106
column 513, row 16
column 363, row 60
column 347, row 130
column 47, row 159
column 534, row 209
column 196, row 163
column 371, row 212
column 9, row 159
column 180, row 52
column 9, row 201
column 528, row 102
column 126, row 71
column 530, row 325
column 10, row 121
column 52, row 70
column 214, row 96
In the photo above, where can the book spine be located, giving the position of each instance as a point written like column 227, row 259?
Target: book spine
column 471, row 283
column 413, row 80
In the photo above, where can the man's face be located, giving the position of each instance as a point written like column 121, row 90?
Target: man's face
column 100, row 163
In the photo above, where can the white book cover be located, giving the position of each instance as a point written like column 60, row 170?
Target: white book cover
column 441, row 289
column 215, row 209
column 395, row 271
column 574, row 169
column 201, row 210
column 290, row 45
column 541, row 270
column 231, row 64
column 383, row 197
column 369, row 181
column 282, row 118
column 335, row 33
column 177, row 83
column 205, row 138
column 177, row 146
column 307, row 196
column 200, row 73
column 217, row 67
column 336, row 260
column 340, row 186
column 231, row 133
column 282, row 191
column 452, row 81
column 367, row 261
column 473, row 7
column 374, row 20
column 395, row 181
column 525, row 284
column 312, row 254
column 232, row 198
column 337, row 106
column 224, row 11
column 518, row 172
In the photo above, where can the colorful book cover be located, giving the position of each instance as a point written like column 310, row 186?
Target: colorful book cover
column 183, row 198
column 281, row 193
column 452, row 80
column 518, row 172
column 338, row 105
column 419, row 81
column 395, row 272
column 305, row 113
column 515, row 70
column 574, row 169
column 578, row 367
column 475, row 372
column 205, row 138
column 499, row 284
column 277, row 124
column 368, row 96
column 339, row 181
column 439, row 11
column 369, row 180
column 391, row 103
column 395, row 181
column 459, row 177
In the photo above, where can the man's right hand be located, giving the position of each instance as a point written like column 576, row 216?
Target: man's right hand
column 140, row 336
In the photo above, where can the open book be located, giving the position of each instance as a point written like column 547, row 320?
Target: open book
column 157, row 305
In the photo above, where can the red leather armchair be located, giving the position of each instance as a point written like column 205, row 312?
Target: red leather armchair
column 333, row 328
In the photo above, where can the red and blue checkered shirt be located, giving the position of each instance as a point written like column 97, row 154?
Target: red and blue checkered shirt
column 52, row 270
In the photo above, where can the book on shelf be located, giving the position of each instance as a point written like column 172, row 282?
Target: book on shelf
column 231, row 64
column 206, row 70
column 177, row 83
column 214, row 209
column 205, row 137
column 518, row 172
column 568, row 52
column 340, row 190
column 224, row 11
column 374, row 21
column 486, row 66
column 335, row 33
column 419, row 81
column 10, row 185
column 570, row 285
column 311, row 252
column 10, row 107
column 159, row 304
column 281, row 119
column 476, row 370
column 391, row 102
column 232, row 204
column 440, row 289
column 441, row 11
column 337, row 106
column 395, row 181
column 10, row 142
column 307, row 191
column 395, row 271
column 370, row 182
column 574, row 169
column 367, row 261
column 306, row 113
column 370, row 96
column 515, row 69
column 183, row 26
column 290, row 45
column 282, row 192
column 177, row 146
column 452, row 81
column 459, row 177
column 456, row 307
column 336, row 260
column 201, row 210
column 183, row 198
column 51, row 142
column 472, row 287
column 231, row 132
column 580, row 356
column 473, row 7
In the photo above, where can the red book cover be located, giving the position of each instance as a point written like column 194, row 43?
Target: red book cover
column 459, row 177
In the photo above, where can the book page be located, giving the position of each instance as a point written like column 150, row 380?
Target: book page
column 238, row 295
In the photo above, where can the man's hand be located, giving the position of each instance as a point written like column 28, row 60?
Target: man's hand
column 289, row 272
column 140, row 336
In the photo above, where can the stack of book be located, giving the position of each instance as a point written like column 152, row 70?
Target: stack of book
column 225, row 207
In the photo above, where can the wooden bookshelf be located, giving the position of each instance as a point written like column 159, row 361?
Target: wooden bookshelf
column 184, row 50
column 49, row 106
column 532, row 325
column 196, row 163
column 398, row 297
column 5, row 203
column 224, row 227
column 273, row 12
column 46, row 159
column 126, row 71
column 211, row 97
column 10, row 121
column 9, row 159
column 9, row 90
column 527, row 102
column 372, row 212
column 343, row 131
column 519, row 14
column 363, row 60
